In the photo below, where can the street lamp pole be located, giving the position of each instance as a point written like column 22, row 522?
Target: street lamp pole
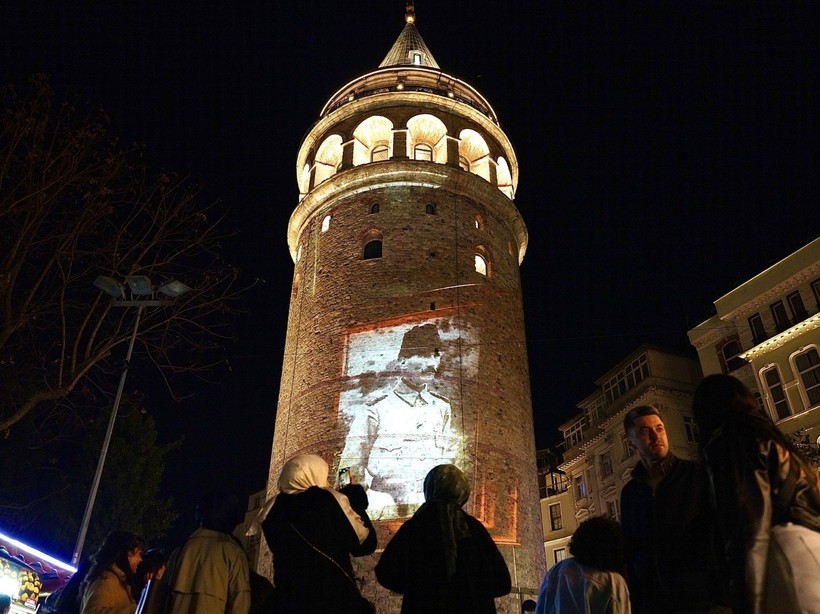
column 92, row 497
column 140, row 286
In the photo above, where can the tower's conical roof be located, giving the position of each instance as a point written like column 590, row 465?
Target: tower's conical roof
column 409, row 48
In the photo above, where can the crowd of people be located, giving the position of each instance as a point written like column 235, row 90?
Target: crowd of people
column 738, row 531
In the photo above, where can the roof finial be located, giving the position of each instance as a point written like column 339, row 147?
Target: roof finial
column 410, row 12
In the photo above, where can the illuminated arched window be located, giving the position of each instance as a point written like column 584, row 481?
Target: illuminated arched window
column 374, row 208
column 423, row 151
column 326, row 224
column 480, row 264
column 299, row 254
column 379, row 153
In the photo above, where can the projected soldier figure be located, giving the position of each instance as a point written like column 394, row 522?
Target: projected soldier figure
column 404, row 430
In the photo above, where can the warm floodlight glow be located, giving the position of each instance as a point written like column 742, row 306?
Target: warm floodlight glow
column 109, row 286
column 174, row 288
column 140, row 285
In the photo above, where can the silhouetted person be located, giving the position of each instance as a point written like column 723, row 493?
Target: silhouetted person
column 312, row 531
column 442, row 559
column 766, row 499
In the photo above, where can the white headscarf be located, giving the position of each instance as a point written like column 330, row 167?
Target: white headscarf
column 300, row 473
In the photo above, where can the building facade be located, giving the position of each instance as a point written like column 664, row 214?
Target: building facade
column 597, row 459
column 766, row 332
column 405, row 344
column 557, row 506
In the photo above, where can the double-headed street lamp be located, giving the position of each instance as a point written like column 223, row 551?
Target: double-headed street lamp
column 142, row 295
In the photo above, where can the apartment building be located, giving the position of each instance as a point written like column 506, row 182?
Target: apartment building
column 597, row 460
column 557, row 506
column 766, row 332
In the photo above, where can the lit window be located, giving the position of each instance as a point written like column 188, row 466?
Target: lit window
column 379, row 153
column 423, row 151
column 580, row 487
column 299, row 254
column 559, row 554
column 777, row 396
column 417, row 58
column 372, row 249
column 430, row 209
column 480, row 264
column 556, row 522
column 808, row 369
column 374, row 208
column 326, row 224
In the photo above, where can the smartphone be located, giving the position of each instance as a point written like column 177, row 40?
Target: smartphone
column 344, row 477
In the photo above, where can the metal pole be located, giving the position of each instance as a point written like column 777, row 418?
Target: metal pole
column 89, row 506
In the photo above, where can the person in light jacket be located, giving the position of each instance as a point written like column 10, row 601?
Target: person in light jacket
column 107, row 588
column 209, row 574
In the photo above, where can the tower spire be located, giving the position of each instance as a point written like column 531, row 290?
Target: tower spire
column 409, row 48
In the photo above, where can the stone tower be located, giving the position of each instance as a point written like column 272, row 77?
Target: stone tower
column 405, row 345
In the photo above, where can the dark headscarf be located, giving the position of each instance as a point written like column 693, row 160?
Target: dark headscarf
column 445, row 491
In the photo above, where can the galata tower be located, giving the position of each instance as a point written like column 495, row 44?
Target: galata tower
column 405, row 344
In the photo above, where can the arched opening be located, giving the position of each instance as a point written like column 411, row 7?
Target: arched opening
column 430, row 209
column 371, row 140
column 480, row 264
column 474, row 149
column 372, row 249
column 326, row 224
column 430, row 131
column 504, row 177
column 328, row 158
column 374, row 208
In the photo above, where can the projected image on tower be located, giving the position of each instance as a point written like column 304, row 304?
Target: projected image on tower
column 400, row 406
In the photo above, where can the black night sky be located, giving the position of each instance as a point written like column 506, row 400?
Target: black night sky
column 668, row 151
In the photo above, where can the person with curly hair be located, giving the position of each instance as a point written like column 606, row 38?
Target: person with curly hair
column 592, row 581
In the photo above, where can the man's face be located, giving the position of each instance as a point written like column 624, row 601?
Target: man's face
column 421, row 365
column 648, row 437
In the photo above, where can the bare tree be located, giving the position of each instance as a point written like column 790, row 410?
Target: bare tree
column 76, row 204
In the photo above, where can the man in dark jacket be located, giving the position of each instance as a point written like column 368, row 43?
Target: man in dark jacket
column 666, row 533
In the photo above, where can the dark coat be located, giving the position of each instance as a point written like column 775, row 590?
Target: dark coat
column 413, row 564
column 306, row 581
column 667, row 536
column 755, row 484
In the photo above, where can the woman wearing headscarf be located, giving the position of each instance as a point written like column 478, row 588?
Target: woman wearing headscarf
column 107, row 588
column 443, row 559
column 766, row 500
column 312, row 531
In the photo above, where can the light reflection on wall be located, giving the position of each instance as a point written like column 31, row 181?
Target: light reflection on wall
column 400, row 406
